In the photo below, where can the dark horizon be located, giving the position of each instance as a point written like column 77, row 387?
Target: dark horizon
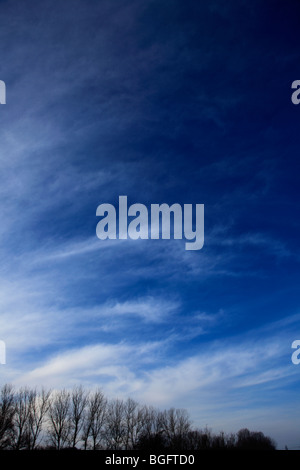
column 82, row 419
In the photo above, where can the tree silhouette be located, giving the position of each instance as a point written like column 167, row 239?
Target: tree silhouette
column 78, row 419
column 7, row 411
column 59, row 422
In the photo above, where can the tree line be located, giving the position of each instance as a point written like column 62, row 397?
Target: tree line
column 32, row 419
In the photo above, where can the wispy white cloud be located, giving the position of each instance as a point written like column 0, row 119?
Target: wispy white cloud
column 220, row 368
column 219, row 386
column 259, row 240
column 150, row 309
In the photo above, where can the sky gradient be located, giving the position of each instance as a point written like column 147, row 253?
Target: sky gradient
column 165, row 102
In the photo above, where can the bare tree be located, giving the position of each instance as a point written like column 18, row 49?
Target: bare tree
column 59, row 419
column 252, row 440
column 175, row 422
column 94, row 420
column 7, row 411
column 38, row 408
column 115, row 425
column 134, row 421
column 79, row 400
column 23, row 401
column 86, row 417
column 164, row 429
column 151, row 418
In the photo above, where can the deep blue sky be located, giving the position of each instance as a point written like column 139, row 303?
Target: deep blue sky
column 162, row 101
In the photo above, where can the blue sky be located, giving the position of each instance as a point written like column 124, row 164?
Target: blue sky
column 172, row 101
